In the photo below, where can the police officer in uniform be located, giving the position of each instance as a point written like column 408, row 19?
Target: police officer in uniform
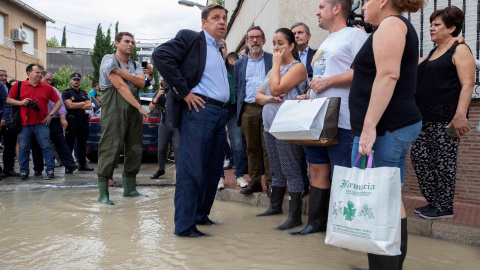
column 77, row 102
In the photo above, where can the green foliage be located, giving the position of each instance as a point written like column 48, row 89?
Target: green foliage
column 53, row 42
column 156, row 76
column 62, row 80
column 219, row 2
column 101, row 47
column 116, row 28
column 64, row 37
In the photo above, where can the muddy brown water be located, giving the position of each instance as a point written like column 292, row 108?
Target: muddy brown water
column 67, row 229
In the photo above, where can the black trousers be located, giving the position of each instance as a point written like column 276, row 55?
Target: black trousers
column 78, row 129
column 61, row 146
column 9, row 142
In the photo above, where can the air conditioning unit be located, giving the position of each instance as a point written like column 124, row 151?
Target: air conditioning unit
column 19, row 35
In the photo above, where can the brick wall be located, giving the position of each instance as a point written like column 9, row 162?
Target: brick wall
column 468, row 165
column 15, row 60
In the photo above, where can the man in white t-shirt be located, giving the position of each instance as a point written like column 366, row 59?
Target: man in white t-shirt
column 332, row 76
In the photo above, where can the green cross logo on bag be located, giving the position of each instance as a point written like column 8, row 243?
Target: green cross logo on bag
column 349, row 212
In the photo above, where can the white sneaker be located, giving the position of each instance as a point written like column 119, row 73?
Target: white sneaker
column 221, row 184
column 226, row 163
column 242, row 182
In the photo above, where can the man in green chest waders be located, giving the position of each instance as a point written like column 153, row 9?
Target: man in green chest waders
column 122, row 125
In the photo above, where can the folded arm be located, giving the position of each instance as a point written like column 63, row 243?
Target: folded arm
column 138, row 79
column 126, row 93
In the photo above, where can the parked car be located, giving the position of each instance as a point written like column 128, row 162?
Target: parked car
column 150, row 132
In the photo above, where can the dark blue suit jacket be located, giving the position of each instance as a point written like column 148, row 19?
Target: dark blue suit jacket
column 241, row 83
column 4, row 107
column 310, row 55
column 181, row 62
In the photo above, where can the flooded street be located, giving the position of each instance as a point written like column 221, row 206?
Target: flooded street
column 68, row 229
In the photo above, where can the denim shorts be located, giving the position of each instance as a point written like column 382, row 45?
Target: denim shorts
column 335, row 154
column 391, row 149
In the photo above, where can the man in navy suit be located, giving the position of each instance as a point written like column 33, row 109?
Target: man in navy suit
column 249, row 73
column 302, row 37
column 194, row 69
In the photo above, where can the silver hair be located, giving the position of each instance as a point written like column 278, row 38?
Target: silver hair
column 44, row 73
column 307, row 29
column 2, row 69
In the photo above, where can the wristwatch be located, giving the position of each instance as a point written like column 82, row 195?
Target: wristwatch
column 51, row 114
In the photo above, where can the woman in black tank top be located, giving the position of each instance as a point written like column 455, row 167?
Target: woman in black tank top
column 444, row 90
column 383, row 113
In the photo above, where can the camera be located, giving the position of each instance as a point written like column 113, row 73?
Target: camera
column 33, row 104
column 352, row 20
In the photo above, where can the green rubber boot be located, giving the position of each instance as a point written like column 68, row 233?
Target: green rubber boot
column 103, row 188
column 129, row 189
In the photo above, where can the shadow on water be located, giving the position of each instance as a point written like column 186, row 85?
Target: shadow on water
column 68, row 229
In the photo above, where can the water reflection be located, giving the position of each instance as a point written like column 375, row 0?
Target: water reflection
column 58, row 229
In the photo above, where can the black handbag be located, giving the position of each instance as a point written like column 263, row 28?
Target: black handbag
column 13, row 123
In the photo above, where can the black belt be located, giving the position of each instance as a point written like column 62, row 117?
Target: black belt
column 212, row 101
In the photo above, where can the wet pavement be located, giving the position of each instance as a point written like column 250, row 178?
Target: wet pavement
column 68, row 229
column 43, row 222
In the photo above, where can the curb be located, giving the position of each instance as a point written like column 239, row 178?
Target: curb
column 437, row 229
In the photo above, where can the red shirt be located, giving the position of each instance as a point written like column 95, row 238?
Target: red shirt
column 42, row 92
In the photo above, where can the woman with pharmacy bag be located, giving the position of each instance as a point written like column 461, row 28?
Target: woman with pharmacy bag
column 383, row 113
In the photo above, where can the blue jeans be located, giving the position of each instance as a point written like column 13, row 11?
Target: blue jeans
column 166, row 135
column 60, row 143
column 42, row 133
column 235, row 134
column 200, row 159
column 339, row 154
column 391, row 149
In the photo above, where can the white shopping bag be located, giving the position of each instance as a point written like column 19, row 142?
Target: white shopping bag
column 300, row 120
column 365, row 209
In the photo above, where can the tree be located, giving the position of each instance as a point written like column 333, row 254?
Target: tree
column 156, row 85
column 109, row 45
column 62, row 80
column 64, row 37
column 101, row 47
column 53, row 42
column 116, row 28
column 98, row 53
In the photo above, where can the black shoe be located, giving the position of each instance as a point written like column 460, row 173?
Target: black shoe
column 437, row 213
column 425, row 208
column 294, row 212
column 10, row 173
column 206, row 222
column 22, row 176
column 276, row 201
column 49, row 175
column 70, row 170
column 157, row 174
column 195, row 233
column 37, row 173
column 85, row 168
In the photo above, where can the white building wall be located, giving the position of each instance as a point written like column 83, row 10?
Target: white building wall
column 271, row 15
column 292, row 12
column 264, row 13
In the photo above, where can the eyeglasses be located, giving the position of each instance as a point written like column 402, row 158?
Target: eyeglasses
column 254, row 37
column 6, row 76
